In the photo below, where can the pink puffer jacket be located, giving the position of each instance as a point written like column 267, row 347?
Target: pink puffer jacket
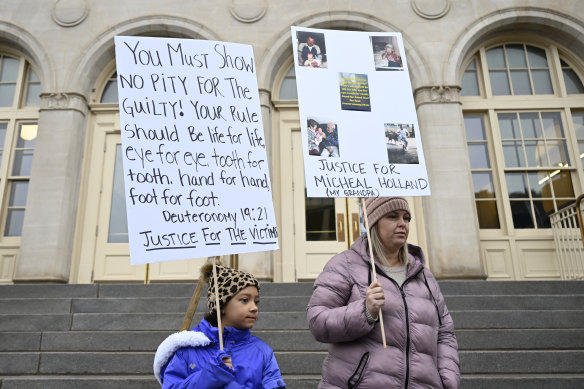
column 422, row 351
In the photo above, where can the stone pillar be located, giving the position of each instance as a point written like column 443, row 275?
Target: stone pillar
column 450, row 214
column 51, row 207
column 266, row 107
column 271, row 264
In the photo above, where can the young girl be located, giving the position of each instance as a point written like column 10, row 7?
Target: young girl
column 192, row 359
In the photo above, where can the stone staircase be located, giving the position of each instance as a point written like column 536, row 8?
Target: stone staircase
column 526, row 334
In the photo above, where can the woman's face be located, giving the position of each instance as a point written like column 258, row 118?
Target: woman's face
column 393, row 229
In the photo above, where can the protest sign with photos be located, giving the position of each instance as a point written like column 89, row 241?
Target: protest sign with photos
column 360, row 131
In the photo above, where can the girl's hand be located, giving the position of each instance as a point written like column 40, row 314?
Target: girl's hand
column 227, row 361
column 374, row 298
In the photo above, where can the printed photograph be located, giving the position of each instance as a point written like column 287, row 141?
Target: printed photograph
column 323, row 138
column 311, row 49
column 386, row 53
column 401, row 143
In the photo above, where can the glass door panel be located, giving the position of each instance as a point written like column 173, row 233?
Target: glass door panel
column 112, row 252
column 320, row 224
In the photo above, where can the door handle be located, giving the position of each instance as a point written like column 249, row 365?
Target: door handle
column 340, row 227
column 355, row 225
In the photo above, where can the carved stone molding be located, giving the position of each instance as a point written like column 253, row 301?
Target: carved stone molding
column 265, row 98
column 248, row 11
column 69, row 13
column 64, row 101
column 438, row 94
column 430, row 9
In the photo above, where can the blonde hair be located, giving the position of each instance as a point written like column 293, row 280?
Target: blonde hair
column 379, row 249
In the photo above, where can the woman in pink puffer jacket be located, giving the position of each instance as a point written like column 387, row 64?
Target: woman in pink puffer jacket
column 422, row 351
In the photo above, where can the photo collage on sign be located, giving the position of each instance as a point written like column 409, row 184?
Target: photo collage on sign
column 323, row 133
column 359, row 126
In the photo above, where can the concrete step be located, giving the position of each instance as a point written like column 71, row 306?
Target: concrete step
column 297, row 320
column 13, row 363
column 528, row 381
column 35, row 306
column 524, row 381
column 118, row 363
column 271, row 321
column 511, row 334
column 521, row 339
column 484, row 288
column 48, row 291
column 146, row 381
column 279, row 340
column 449, row 288
column 542, row 381
column 20, row 341
column 103, row 341
column 172, row 322
column 268, row 304
column 177, row 305
column 515, row 302
column 187, row 290
column 472, row 362
column 37, row 322
column 517, row 319
column 522, row 362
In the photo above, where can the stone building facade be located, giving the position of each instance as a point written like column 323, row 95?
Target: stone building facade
column 498, row 91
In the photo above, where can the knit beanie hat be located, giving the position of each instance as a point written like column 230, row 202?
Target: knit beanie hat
column 377, row 207
column 230, row 281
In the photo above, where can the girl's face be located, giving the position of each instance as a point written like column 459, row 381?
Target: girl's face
column 241, row 311
column 393, row 229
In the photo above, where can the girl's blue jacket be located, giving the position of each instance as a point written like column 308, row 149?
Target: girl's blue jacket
column 192, row 359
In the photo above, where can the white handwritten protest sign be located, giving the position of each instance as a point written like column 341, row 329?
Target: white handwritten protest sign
column 360, row 131
column 194, row 154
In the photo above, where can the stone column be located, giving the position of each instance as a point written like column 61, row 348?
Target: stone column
column 266, row 107
column 51, row 206
column 450, row 214
column 271, row 264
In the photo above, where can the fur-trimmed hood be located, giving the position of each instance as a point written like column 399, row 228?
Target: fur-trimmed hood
column 174, row 342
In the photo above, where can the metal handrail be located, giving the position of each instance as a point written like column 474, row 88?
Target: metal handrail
column 579, row 215
column 569, row 240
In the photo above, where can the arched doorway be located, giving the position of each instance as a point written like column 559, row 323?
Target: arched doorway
column 313, row 229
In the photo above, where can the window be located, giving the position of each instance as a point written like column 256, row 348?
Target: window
column 523, row 163
column 578, row 118
column 33, row 89
column 118, row 221
column 470, row 80
column 532, row 141
column 288, row 88
column 482, row 172
column 518, row 69
column 571, row 79
column 19, row 177
column 20, row 90
column 20, row 152
column 110, row 92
